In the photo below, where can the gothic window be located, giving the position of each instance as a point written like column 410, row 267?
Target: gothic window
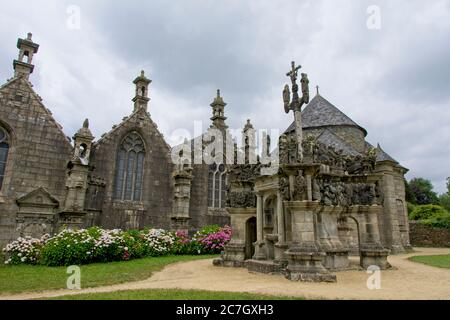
column 4, row 148
column 217, row 182
column 130, row 168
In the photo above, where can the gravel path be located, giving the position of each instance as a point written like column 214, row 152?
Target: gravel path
column 408, row 280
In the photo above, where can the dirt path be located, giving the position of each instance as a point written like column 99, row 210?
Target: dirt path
column 408, row 280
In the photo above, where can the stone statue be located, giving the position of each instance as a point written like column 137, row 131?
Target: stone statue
column 316, row 190
column 283, row 149
column 299, row 187
column 284, row 188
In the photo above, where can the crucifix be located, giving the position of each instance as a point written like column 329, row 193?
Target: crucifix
column 296, row 103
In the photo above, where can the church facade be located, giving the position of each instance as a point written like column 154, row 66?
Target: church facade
column 127, row 178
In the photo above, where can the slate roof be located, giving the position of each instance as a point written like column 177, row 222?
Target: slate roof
column 381, row 154
column 320, row 112
column 328, row 138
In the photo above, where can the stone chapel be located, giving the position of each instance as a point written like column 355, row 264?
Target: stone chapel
column 354, row 192
column 125, row 179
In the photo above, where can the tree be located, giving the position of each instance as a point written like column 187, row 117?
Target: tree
column 423, row 191
column 444, row 199
column 409, row 194
column 448, row 185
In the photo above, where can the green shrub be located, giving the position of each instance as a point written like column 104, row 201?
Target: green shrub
column 208, row 230
column 410, row 207
column 439, row 222
column 428, row 211
column 78, row 247
column 444, row 201
column 73, row 247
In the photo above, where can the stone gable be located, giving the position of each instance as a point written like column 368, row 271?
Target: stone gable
column 156, row 203
column 38, row 151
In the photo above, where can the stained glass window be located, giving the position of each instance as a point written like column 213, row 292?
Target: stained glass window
column 217, row 183
column 130, row 168
column 4, row 148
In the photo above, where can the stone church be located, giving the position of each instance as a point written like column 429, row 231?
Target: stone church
column 351, row 193
column 125, row 179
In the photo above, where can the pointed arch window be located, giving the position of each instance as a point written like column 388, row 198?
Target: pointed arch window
column 130, row 168
column 217, row 182
column 4, row 149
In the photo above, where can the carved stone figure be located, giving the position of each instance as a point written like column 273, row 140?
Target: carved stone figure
column 299, row 187
column 284, row 188
column 316, row 190
column 241, row 200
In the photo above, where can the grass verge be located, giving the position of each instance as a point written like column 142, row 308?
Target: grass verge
column 25, row 278
column 172, row 294
column 440, row 261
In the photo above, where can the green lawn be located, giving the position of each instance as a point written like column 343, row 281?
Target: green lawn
column 24, row 278
column 171, row 294
column 442, row 261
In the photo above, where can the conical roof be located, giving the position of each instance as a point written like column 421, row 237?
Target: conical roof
column 321, row 113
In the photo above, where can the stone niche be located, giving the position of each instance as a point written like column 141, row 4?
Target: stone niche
column 37, row 213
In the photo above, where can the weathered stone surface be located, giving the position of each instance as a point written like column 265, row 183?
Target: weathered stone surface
column 38, row 152
column 335, row 195
column 81, row 178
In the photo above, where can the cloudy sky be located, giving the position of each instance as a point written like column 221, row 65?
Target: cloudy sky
column 387, row 67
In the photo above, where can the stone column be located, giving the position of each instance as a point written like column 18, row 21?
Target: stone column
column 392, row 237
column 304, row 256
column 371, row 249
column 182, row 195
column 281, row 222
column 328, row 237
column 281, row 246
column 299, row 133
column 260, row 253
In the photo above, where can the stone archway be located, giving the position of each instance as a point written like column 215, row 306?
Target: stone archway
column 348, row 230
column 250, row 238
column 371, row 252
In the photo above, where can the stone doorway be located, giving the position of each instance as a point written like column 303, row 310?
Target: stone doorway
column 250, row 238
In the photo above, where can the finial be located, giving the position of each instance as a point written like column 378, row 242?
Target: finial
column 86, row 124
column 218, row 93
column 29, row 35
column 248, row 125
column 317, row 88
column 142, row 73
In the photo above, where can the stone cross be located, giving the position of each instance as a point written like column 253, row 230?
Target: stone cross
column 296, row 103
column 294, row 72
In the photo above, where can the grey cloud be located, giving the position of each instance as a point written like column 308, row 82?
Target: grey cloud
column 394, row 81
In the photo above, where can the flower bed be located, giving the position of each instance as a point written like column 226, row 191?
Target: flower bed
column 71, row 247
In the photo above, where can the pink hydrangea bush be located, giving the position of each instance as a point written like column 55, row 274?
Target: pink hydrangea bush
column 214, row 242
